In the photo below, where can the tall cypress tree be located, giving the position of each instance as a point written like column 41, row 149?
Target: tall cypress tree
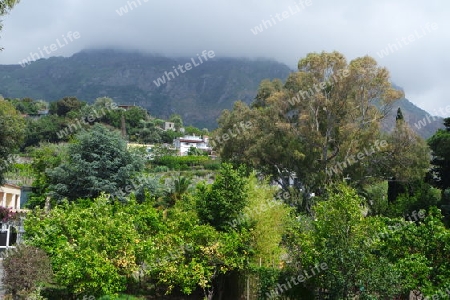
column 395, row 188
column 399, row 116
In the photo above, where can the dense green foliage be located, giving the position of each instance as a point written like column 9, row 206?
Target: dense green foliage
column 181, row 162
column 314, row 132
column 12, row 127
column 45, row 158
column 347, row 214
column 220, row 203
column 97, row 161
column 60, row 120
column 101, row 247
column 440, row 145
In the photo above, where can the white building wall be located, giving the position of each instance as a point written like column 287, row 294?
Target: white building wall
column 184, row 143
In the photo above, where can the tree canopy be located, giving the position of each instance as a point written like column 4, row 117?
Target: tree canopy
column 323, row 116
column 440, row 146
column 98, row 161
column 12, row 127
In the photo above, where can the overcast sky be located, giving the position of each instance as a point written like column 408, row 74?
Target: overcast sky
column 420, row 30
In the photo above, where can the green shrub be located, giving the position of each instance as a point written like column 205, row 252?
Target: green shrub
column 212, row 165
column 181, row 162
column 26, row 268
column 267, row 281
column 160, row 169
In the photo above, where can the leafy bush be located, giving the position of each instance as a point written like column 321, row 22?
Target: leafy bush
column 376, row 197
column 268, row 279
column 26, row 268
column 160, row 169
column 212, row 165
column 91, row 245
column 181, row 162
column 421, row 196
column 222, row 202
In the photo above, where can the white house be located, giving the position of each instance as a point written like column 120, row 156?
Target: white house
column 183, row 144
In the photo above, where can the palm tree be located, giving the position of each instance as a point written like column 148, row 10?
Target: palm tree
column 180, row 186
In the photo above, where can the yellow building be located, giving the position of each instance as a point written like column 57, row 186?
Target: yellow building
column 10, row 196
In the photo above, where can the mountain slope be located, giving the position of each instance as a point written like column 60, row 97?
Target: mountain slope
column 199, row 95
column 418, row 119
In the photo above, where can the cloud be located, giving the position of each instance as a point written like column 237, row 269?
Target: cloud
column 184, row 28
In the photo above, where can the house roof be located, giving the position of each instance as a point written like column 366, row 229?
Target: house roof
column 191, row 141
column 10, row 185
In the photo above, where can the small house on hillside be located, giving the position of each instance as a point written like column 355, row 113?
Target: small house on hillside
column 39, row 114
column 183, row 144
column 169, row 126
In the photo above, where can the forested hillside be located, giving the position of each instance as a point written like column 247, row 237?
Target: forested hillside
column 198, row 96
column 128, row 78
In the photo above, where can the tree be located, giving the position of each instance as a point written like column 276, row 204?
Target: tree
column 251, row 137
column 341, row 238
column 178, row 187
column 440, row 146
column 194, row 151
column 98, row 162
column 406, row 158
column 190, row 130
column 177, row 120
column 422, row 265
column 93, row 247
column 322, row 117
column 218, row 204
column 12, row 126
column 101, row 247
column 7, row 5
column 47, row 156
column 267, row 218
column 44, row 129
column 134, row 116
column 25, row 106
column 65, row 105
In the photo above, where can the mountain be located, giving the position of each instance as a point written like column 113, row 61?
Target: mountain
column 199, row 95
column 418, row 119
